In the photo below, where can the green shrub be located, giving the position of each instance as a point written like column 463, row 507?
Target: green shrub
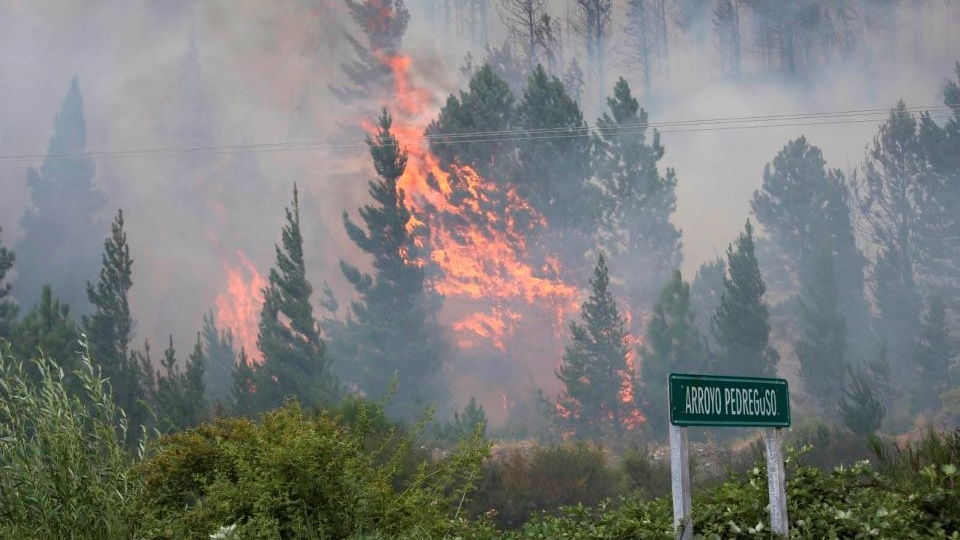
column 646, row 477
column 521, row 484
column 64, row 470
column 290, row 475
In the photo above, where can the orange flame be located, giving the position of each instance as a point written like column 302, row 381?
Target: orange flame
column 478, row 231
column 239, row 307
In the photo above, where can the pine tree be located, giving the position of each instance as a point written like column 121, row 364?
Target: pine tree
column 637, row 200
column 61, row 237
column 109, row 327
column 243, row 397
column 521, row 19
column 180, row 394
column 598, row 382
column 295, row 360
column 888, row 197
column 740, row 326
column 673, row 344
column 8, row 308
column 553, row 174
column 933, row 353
column 49, row 328
column 394, row 326
column 940, row 214
column 646, row 34
column 821, row 345
column 593, row 23
column 803, row 206
column 860, row 408
column 383, row 24
column 726, row 22
column 220, row 355
column 705, row 293
column 486, row 107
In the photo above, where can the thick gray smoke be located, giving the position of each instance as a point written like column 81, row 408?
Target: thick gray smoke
column 220, row 73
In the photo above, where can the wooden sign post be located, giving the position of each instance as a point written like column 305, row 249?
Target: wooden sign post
column 707, row 400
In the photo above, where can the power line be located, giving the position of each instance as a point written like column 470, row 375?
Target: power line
column 676, row 126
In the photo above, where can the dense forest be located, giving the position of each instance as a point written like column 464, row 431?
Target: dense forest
column 437, row 225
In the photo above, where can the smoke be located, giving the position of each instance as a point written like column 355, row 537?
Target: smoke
column 264, row 73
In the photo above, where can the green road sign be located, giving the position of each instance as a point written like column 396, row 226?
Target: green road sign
column 707, row 400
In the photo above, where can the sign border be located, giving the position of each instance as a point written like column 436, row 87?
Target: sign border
column 729, row 379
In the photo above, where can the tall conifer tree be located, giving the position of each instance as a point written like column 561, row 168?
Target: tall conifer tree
column 741, row 326
column 50, row 328
column 61, row 235
column 221, row 358
column 803, row 207
column 595, row 370
column 553, row 173
column 180, row 401
column 487, row 106
column 821, row 346
column 673, row 344
column 637, row 200
column 394, row 327
column 933, row 354
column 889, row 196
column 295, row 360
column 109, row 327
column 8, row 308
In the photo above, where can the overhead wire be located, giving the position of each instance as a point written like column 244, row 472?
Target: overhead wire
column 807, row 119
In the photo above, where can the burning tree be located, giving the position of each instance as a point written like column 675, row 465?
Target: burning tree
column 393, row 331
column 597, row 369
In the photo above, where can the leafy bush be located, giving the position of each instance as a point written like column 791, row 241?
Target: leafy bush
column 293, row 476
column 521, row 484
column 64, row 470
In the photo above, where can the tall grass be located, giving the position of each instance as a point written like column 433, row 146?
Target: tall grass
column 64, row 470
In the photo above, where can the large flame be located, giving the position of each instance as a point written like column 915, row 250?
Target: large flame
column 239, row 307
column 478, row 234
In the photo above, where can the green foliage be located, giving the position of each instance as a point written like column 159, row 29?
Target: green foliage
column 8, row 308
column 672, row 344
column 928, row 468
column 180, row 400
column 860, row 408
column 221, row 358
column 821, row 345
column 64, row 470
column 295, row 361
column 933, row 354
column 289, row 474
column 637, row 200
column 890, row 198
column 486, row 107
column 394, row 330
column 464, row 425
column 595, row 371
column 740, row 326
column 647, row 477
column 706, row 290
column 62, row 236
column 49, row 329
column 109, row 327
column 553, row 175
column 520, row 484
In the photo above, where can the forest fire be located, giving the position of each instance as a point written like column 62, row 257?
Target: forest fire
column 239, row 307
column 478, row 231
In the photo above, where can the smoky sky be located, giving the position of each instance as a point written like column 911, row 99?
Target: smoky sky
column 265, row 69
